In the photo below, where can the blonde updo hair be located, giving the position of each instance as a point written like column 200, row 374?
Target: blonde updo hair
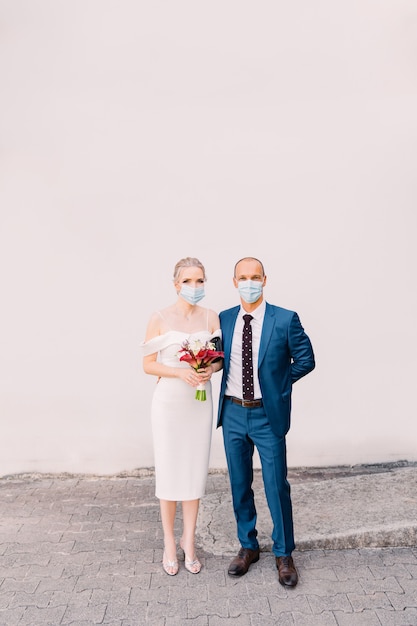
column 188, row 262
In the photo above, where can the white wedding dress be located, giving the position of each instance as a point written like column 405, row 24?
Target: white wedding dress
column 181, row 425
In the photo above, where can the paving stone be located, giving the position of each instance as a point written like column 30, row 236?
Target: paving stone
column 324, row 619
column 365, row 618
column 12, row 617
column 79, row 551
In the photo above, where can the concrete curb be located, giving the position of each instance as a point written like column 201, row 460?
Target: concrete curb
column 334, row 508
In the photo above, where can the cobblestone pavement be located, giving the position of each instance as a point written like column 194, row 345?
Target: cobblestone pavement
column 77, row 550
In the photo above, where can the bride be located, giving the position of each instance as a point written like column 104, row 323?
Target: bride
column 181, row 425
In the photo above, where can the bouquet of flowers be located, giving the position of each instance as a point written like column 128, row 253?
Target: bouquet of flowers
column 199, row 355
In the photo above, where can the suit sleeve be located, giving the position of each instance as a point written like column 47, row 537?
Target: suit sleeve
column 301, row 350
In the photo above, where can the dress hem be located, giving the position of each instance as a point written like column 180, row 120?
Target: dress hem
column 179, row 499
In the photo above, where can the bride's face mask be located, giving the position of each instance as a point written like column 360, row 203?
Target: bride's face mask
column 190, row 284
column 192, row 294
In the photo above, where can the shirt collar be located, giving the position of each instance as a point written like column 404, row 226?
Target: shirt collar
column 257, row 313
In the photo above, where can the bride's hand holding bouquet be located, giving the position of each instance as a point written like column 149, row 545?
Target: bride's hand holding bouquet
column 199, row 355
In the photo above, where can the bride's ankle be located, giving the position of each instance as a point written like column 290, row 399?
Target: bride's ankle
column 170, row 549
column 187, row 547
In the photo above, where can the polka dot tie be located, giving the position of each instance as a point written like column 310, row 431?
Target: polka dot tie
column 247, row 363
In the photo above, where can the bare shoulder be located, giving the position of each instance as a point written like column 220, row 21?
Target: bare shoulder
column 153, row 327
column 214, row 321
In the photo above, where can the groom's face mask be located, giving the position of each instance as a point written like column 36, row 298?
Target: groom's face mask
column 250, row 290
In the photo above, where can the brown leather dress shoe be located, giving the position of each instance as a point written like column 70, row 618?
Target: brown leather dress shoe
column 287, row 574
column 240, row 564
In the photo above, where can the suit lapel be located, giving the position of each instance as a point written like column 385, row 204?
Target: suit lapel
column 268, row 325
column 228, row 324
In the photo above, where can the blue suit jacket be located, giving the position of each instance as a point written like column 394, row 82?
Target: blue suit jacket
column 285, row 356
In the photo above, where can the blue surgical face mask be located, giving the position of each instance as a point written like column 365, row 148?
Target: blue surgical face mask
column 192, row 294
column 250, row 290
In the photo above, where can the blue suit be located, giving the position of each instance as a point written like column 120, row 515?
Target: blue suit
column 285, row 356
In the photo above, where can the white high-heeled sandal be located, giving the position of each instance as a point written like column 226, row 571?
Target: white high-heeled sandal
column 170, row 567
column 192, row 565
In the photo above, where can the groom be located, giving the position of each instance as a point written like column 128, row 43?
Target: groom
column 265, row 351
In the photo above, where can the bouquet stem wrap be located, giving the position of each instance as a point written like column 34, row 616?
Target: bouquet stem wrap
column 200, row 393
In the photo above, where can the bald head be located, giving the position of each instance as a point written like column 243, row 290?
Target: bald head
column 255, row 265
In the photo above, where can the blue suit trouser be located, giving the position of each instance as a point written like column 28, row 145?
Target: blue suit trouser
column 243, row 429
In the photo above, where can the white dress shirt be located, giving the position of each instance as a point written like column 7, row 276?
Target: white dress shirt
column 234, row 379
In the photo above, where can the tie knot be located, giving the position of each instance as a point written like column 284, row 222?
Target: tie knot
column 247, row 318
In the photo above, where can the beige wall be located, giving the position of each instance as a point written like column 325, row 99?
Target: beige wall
column 135, row 133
